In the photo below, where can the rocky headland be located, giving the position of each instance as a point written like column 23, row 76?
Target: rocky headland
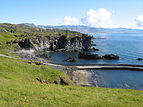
column 34, row 43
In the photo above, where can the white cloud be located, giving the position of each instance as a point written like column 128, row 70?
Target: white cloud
column 99, row 18
column 139, row 20
column 68, row 20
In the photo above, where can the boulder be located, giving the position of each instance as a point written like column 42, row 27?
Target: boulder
column 110, row 56
column 70, row 59
column 95, row 49
column 84, row 55
column 139, row 59
column 93, row 44
column 63, row 82
column 4, row 30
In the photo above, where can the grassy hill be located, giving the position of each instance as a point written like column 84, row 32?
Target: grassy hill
column 19, row 88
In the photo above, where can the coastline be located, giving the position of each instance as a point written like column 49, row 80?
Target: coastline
column 81, row 76
column 79, row 73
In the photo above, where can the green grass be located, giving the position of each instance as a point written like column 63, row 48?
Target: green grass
column 4, row 47
column 20, row 70
column 18, row 88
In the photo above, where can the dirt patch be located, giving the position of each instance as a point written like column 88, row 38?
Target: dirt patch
column 79, row 77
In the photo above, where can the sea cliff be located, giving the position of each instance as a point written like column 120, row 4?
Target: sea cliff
column 60, row 43
column 32, row 41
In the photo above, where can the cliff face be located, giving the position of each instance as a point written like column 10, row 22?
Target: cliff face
column 61, row 43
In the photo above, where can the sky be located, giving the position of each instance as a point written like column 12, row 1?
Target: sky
column 94, row 13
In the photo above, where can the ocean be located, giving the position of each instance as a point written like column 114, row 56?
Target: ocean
column 128, row 46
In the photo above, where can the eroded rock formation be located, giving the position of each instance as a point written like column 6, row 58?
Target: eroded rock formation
column 57, row 44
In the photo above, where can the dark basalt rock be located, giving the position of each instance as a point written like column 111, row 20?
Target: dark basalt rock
column 70, row 59
column 60, row 81
column 63, row 82
column 84, row 55
column 92, row 49
column 26, row 44
column 35, row 63
column 110, row 56
column 95, row 49
column 139, row 59
column 93, row 44
column 42, row 81
column 62, row 43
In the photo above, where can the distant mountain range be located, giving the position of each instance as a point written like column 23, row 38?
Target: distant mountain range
column 86, row 29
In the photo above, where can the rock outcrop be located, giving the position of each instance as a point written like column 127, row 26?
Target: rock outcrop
column 70, row 59
column 110, row 56
column 60, row 81
column 84, row 55
column 139, row 59
column 56, row 44
column 95, row 49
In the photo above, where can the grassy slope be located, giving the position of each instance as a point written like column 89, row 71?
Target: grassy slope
column 4, row 47
column 20, row 76
column 18, row 87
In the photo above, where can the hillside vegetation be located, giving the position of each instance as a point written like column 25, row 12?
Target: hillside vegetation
column 19, row 88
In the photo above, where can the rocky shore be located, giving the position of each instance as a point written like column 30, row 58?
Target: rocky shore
column 36, row 47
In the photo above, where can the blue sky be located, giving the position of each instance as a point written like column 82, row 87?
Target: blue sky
column 123, row 13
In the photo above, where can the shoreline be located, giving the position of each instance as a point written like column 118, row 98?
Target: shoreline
column 79, row 74
column 99, row 66
column 81, row 77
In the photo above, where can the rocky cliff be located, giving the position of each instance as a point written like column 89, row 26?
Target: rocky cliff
column 33, row 39
column 61, row 43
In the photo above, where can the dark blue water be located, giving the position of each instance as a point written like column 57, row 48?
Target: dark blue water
column 128, row 46
column 117, row 79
